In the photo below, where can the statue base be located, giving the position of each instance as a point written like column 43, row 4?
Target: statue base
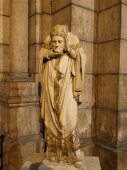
column 36, row 162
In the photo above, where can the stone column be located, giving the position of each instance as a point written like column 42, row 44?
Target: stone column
column 112, row 84
column 19, row 36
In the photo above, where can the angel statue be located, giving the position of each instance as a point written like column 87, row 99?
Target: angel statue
column 61, row 69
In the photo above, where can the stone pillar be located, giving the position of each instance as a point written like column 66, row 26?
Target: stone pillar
column 111, row 86
column 19, row 36
column 39, row 28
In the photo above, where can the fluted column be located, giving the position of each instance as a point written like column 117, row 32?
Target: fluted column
column 19, row 36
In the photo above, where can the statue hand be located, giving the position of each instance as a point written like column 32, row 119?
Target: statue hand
column 53, row 55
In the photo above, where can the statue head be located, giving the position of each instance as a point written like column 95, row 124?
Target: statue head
column 58, row 37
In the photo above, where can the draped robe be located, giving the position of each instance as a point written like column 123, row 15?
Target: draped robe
column 60, row 78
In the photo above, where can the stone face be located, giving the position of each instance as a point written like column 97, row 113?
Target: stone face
column 89, row 51
column 5, row 7
column 122, row 92
column 103, row 4
column 18, row 151
column 108, row 57
column 45, row 26
column 33, row 55
column 87, row 4
column 4, row 29
column 88, row 96
column 23, row 117
column 122, row 127
column 124, row 1
column 19, row 36
column 124, row 22
column 57, row 5
column 109, row 24
column 107, row 93
column 32, row 7
column 62, row 17
column 84, row 123
column 106, row 126
column 46, row 6
column 123, row 58
column 108, row 158
column 80, row 18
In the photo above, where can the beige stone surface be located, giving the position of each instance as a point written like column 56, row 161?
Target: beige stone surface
column 23, row 117
column 103, row 4
column 32, row 29
column 46, row 6
column 124, row 22
column 122, row 100
column 33, row 57
column 89, row 49
column 32, row 7
column 57, row 5
column 91, row 4
column 19, row 36
column 39, row 27
column 62, row 17
column 123, row 58
column 84, row 122
column 106, row 126
column 4, row 60
column 88, row 95
column 16, row 153
column 124, row 1
column 109, row 24
column 107, row 91
column 122, row 127
column 4, row 29
column 45, row 26
column 5, row 7
column 108, row 57
column 80, row 18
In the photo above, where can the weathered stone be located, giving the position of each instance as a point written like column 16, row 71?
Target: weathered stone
column 19, row 36
column 62, row 17
column 45, row 26
column 46, row 6
column 23, row 117
column 122, row 127
column 32, row 7
column 84, row 122
column 88, row 96
column 123, row 58
column 33, row 56
column 124, row 22
column 4, row 29
column 108, row 158
column 108, row 57
column 5, row 7
column 103, row 4
column 109, row 24
column 57, row 5
column 124, row 1
column 106, row 126
column 122, row 100
column 87, row 4
column 107, row 91
column 19, row 151
column 80, row 18
column 89, row 51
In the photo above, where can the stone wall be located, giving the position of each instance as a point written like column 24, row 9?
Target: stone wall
column 101, row 26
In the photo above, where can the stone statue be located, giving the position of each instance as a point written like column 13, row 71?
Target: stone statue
column 61, row 69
